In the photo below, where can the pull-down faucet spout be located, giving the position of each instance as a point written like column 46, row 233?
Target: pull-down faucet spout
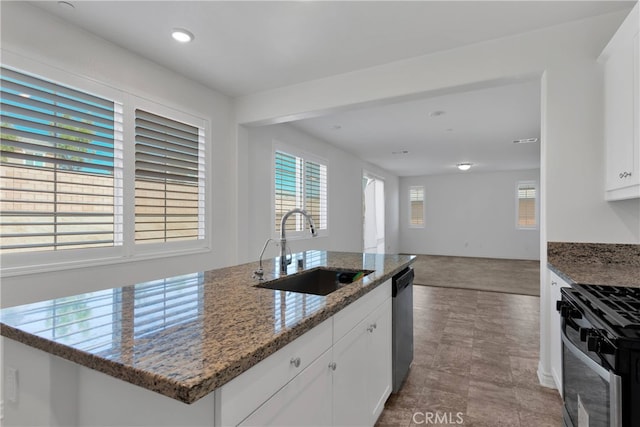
column 283, row 240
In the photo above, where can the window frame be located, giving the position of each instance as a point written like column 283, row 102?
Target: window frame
column 306, row 157
column 424, row 213
column 536, row 201
column 26, row 263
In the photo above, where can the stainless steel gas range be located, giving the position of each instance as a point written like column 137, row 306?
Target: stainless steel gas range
column 601, row 355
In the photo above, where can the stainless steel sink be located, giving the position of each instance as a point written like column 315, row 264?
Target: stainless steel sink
column 319, row 281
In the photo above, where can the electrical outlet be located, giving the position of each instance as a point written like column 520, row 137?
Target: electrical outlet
column 11, row 384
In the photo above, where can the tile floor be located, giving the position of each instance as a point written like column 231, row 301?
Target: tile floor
column 475, row 362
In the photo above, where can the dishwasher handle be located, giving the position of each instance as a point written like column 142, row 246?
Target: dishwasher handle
column 401, row 281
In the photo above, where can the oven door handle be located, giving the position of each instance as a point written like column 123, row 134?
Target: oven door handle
column 614, row 381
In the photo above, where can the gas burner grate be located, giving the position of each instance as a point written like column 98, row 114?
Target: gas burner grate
column 620, row 304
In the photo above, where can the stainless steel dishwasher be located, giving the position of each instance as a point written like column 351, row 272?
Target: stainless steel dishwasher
column 402, row 322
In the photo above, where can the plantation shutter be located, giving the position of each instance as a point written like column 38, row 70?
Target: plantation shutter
column 416, row 206
column 526, row 205
column 315, row 202
column 300, row 184
column 58, row 156
column 288, row 188
column 169, row 171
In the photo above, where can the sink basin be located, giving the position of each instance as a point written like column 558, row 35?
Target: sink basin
column 319, row 281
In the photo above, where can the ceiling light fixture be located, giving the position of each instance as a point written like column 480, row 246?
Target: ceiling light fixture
column 464, row 166
column 66, row 5
column 400, row 152
column 437, row 113
column 182, row 35
column 525, row 140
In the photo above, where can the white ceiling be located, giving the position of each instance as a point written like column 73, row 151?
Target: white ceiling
column 477, row 126
column 243, row 47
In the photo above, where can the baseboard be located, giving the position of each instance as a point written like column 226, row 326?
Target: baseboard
column 545, row 379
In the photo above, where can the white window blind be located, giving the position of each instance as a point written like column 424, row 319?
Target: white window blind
column 416, row 206
column 526, row 205
column 303, row 185
column 60, row 157
column 170, row 179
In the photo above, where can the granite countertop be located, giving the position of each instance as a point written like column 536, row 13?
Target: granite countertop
column 187, row 335
column 596, row 263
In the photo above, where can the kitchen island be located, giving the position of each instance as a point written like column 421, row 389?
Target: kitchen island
column 183, row 337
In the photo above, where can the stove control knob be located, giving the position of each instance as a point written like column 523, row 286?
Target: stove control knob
column 593, row 342
column 584, row 333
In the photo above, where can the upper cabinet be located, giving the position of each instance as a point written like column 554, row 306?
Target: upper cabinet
column 622, row 111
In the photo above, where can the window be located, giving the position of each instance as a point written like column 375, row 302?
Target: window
column 59, row 165
column 526, row 205
column 416, row 206
column 69, row 179
column 300, row 184
column 169, row 180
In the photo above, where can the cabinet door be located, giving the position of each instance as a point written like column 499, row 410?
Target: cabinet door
column 350, row 396
column 304, row 401
column 379, row 357
column 555, row 344
column 621, row 113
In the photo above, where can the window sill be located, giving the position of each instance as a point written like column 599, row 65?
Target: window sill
column 25, row 270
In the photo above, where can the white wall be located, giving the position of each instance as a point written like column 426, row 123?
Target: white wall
column 572, row 149
column 572, row 129
column 344, row 194
column 469, row 214
column 29, row 33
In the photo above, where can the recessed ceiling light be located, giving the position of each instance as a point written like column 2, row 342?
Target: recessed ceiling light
column 525, row 140
column 182, row 35
column 437, row 113
column 464, row 166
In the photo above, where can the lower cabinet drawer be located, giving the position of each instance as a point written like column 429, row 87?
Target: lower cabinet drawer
column 304, row 401
column 245, row 393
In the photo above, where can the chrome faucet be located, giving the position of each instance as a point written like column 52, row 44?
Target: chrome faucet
column 283, row 240
column 259, row 273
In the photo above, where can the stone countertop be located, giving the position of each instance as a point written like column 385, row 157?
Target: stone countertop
column 187, row 335
column 596, row 263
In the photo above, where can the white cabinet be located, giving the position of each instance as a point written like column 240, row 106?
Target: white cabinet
column 343, row 378
column 362, row 379
column 240, row 397
column 622, row 111
column 304, row 401
column 555, row 345
column 380, row 363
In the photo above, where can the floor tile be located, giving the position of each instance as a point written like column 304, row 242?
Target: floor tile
column 476, row 354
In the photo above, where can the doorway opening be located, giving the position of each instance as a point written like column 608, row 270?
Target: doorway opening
column 373, row 213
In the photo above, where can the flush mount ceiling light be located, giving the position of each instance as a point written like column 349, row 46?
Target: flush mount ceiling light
column 464, row 166
column 182, row 35
column 525, row 140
